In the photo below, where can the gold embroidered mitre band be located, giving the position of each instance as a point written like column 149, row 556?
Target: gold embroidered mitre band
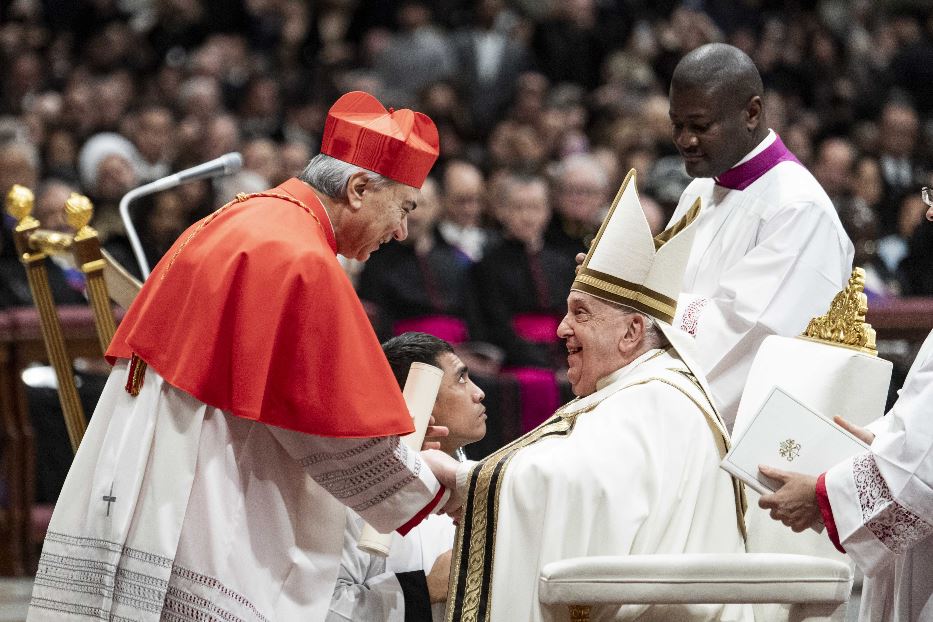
column 627, row 266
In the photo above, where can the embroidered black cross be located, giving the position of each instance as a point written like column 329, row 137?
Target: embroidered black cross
column 109, row 499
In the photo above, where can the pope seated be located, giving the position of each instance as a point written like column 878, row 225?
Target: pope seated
column 631, row 466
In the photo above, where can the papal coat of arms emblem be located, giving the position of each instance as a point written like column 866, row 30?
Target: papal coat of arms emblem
column 789, row 449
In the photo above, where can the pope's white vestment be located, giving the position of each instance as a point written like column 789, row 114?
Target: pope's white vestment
column 765, row 260
column 882, row 504
column 179, row 511
column 630, row 469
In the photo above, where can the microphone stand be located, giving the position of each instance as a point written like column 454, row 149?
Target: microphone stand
column 226, row 164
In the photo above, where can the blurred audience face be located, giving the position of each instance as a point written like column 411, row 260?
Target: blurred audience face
column 582, row 188
column 61, row 152
column 112, row 96
column 261, row 155
column 109, row 47
column 78, row 112
column 517, row 146
column 262, row 98
column 654, row 214
column 198, row 197
column 868, row 184
column 50, row 205
column 656, row 120
column 413, row 15
column 910, row 214
column 833, row 167
column 528, row 150
column 860, row 222
column 200, row 97
column 295, row 156
column 526, row 210
column 463, row 194
column 223, row 136
column 167, row 219
column 898, row 132
column 421, row 220
column 797, row 139
column 642, row 160
column 19, row 164
column 115, row 177
column 155, row 130
column 530, row 93
column 25, row 75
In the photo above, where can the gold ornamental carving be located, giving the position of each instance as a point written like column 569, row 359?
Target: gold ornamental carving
column 78, row 212
column 19, row 202
column 844, row 324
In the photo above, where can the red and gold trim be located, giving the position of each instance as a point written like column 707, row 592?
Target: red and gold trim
column 137, row 373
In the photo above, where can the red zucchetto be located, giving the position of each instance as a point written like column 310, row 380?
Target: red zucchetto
column 399, row 144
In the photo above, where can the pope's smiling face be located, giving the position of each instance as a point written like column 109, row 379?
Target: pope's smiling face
column 592, row 330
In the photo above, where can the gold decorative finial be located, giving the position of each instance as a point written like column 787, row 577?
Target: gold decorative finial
column 19, row 202
column 844, row 324
column 78, row 212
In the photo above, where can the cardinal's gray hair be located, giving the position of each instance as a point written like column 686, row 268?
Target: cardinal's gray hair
column 330, row 176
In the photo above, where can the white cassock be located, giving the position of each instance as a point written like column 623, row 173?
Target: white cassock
column 393, row 588
column 630, row 469
column 765, row 260
column 178, row 511
column 882, row 504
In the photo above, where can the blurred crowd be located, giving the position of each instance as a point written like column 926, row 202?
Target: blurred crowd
column 543, row 106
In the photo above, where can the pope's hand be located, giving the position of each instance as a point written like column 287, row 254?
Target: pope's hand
column 580, row 259
column 444, row 468
column 794, row 503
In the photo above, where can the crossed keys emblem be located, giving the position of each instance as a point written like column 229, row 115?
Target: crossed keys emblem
column 789, row 449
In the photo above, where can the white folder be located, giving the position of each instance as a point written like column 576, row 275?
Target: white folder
column 786, row 434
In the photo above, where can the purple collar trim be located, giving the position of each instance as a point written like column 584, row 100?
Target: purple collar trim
column 742, row 176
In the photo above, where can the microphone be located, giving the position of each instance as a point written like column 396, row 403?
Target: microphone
column 226, row 164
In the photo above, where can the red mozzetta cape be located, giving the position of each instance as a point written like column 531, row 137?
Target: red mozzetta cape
column 250, row 312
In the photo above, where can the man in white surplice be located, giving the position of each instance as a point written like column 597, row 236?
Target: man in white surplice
column 878, row 506
column 770, row 252
column 630, row 466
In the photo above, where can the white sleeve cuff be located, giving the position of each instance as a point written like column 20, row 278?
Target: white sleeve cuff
column 463, row 475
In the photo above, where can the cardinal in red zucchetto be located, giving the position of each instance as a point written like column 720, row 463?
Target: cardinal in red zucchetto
column 250, row 402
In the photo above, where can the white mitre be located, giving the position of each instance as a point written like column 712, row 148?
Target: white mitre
column 628, row 266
